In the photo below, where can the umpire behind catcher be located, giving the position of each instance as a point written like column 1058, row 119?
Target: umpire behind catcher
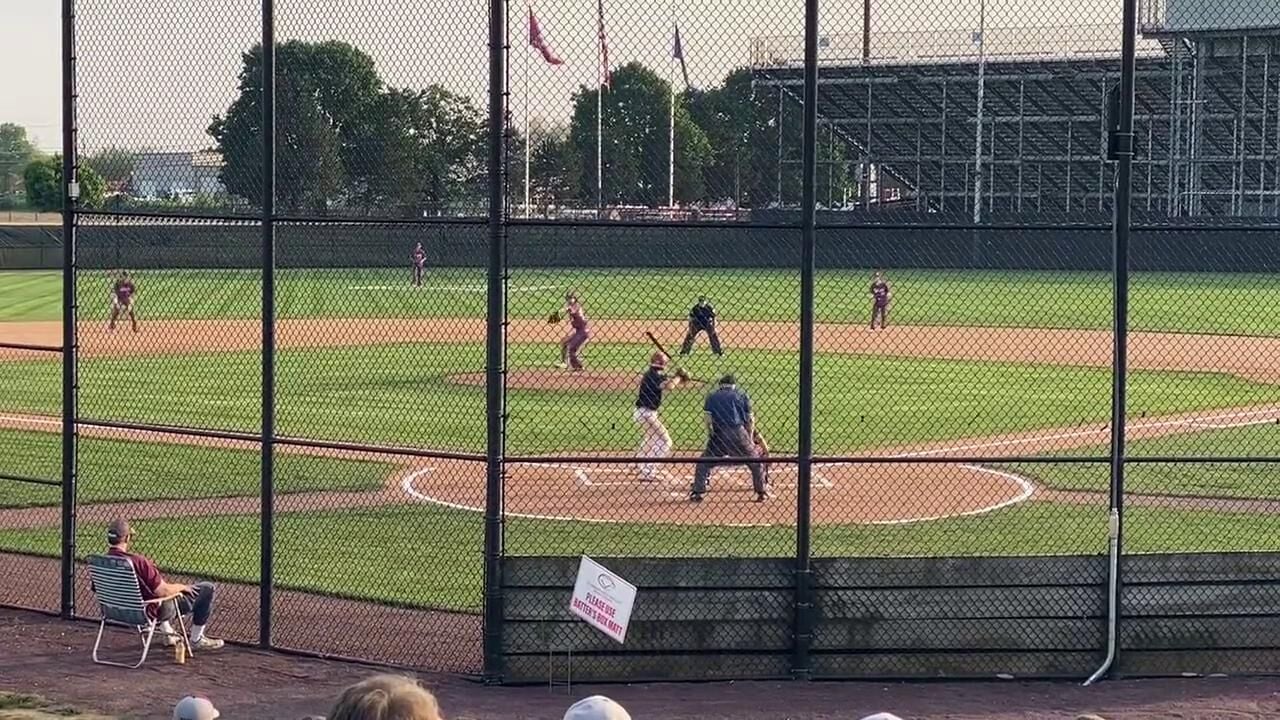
column 730, row 425
column 702, row 318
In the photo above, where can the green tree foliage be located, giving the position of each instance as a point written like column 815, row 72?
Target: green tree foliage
column 114, row 164
column 345, row 141
column 43, row 179
column 16, row 152
column 636, row 124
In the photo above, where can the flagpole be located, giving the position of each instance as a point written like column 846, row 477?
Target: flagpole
column 528, row 142
column 671, row 136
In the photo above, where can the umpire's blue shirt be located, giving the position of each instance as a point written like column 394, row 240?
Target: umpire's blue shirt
column 728, row 407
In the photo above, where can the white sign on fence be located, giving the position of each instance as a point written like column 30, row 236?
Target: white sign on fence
column 603, row 599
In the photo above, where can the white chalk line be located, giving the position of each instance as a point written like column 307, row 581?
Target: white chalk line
column 453, row 288
column 1189, row 422
column 407, row 486
column 584, row 476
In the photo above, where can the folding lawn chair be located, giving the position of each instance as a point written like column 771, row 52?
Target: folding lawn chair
column 115, row 584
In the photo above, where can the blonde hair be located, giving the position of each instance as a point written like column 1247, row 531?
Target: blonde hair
column 385, row 697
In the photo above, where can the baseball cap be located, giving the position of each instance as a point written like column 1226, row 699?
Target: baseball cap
column 195, row 708
column 658, row 360
column 118, row 531
column 596, row 707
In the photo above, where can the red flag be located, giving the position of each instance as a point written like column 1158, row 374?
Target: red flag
column 606, row 77
column 539, row 43
column 677, row 52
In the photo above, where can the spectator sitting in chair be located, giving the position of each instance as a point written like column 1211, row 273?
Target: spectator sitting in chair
column 195, row 599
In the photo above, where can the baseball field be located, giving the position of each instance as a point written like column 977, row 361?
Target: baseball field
column 974, row 364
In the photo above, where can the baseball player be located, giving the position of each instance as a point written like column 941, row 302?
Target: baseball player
column 761, row 446
column 702, row 318
column 881, row 296
column 730, row 427
column 655, row 440
column 123, row 291
column 572, row 344
column 419, row 258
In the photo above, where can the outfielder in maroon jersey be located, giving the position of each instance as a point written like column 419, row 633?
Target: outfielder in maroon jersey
column 881, row 296
column 419, row 258
column 572, row 343
column 123, row 291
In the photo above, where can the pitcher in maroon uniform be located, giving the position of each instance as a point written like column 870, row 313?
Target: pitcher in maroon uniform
column 123, row 291
column 419, row 258
column 881, row 295
column 572, row 343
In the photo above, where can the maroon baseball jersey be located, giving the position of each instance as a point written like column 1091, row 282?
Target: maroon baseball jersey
column 124, row 290
column 880, row 292
column 577, row 317
column 419, row 257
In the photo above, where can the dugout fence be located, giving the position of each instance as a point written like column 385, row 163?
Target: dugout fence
column 1051, row 463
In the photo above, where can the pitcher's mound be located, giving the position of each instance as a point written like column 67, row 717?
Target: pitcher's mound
column 557, row 379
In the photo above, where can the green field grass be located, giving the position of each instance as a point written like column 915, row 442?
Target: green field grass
column 1245, row 304
column 409, row 555
column 118, row 470
column 396, row 394
column 1233, row 480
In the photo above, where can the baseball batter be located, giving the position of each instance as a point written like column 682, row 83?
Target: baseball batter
column 702, row 319
column 655, row 441
column 419, row 259
column 881, row 296
column 580, row 333
column 123, row 294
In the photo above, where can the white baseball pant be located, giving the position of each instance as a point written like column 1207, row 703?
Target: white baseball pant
column 655, row 441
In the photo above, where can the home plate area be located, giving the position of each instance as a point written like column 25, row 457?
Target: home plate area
column 842, row 493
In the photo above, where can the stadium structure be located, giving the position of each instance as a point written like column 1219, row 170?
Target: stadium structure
column 1207, row 113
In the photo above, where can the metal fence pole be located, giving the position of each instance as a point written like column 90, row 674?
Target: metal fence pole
column 267, row 571
column 1123, row 147
column 495, row 350
column 70, row 191
column 803, row 632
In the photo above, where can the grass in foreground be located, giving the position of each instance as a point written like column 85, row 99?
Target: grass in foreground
column 425, row 555
column 1169, row 302
column 120, row 470
column 21, row 706
column 1234, row 480
column 397, row 394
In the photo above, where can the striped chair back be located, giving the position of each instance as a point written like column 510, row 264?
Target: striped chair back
column 115, row 584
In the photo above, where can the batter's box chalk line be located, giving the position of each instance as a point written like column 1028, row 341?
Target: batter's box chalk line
column 1025, row 490
column 628, row 476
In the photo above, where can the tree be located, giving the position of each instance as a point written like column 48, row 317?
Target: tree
column 16, row 152
column 43, row 179
column 635, row 148
column 324, row 92
column 555, row 168
column 114, row 164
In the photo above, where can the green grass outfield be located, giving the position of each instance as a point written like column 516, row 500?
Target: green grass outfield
column 1243, row 304
column 397, row 394
column 117, row 470
column 410, row 555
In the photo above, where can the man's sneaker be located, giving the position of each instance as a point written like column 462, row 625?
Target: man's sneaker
column 561, row 365
column 168, row 639
column 206, row 643
column 762, row 496
column 695, row 497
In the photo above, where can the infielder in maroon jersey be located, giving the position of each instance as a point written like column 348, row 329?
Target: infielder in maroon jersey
column 419, row 258
column 572, row 343
column 881, row 296
column 123, row 291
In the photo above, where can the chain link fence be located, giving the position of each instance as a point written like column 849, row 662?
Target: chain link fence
column 383, row 327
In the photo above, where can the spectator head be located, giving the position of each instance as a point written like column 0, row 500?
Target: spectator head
column 882, row 716
column 729, row 380
column 385, row 697
column 119, row 533
column 596, row 707
column 194, row 707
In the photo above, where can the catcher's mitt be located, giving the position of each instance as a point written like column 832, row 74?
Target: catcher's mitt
column 553, row 318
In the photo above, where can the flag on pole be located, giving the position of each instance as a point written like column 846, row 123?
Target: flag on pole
column 539, row 43
column 606, row 77
column 677, row 52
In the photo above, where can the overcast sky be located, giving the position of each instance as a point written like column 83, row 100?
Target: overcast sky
column 152, row 75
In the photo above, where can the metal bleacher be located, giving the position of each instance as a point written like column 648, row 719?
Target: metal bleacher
column 1207, row 119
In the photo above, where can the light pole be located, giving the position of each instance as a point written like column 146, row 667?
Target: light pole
column 977, row 139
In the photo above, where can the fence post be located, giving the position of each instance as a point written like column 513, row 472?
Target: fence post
column 266, row 580
column 70, row 192
column 803, row 626
column 495, row 350
column 1122, row 150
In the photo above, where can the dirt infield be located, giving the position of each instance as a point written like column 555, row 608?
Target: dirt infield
column 1248, row 357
